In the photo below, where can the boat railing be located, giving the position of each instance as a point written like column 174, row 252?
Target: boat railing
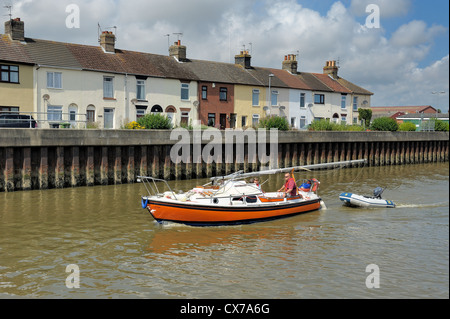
column 150, row 184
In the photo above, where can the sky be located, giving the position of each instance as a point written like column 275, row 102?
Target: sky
column 397, row 49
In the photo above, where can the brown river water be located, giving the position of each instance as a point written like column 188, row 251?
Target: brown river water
column 120, row 252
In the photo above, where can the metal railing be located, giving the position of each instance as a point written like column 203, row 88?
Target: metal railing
column 49, row 119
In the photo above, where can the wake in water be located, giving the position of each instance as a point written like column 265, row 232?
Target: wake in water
column 441, row 204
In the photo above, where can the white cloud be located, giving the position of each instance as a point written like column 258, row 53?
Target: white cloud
column 217, row 30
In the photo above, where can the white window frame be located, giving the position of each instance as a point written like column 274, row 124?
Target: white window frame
column 106, row 88
column 355, row 103
column 54, row 80
column 343, row 101
column 255, row 117
column 274, row 98
column 255, row 97
column 140, row 88
column 54, row 113
column 185, row 90
column 302, row 100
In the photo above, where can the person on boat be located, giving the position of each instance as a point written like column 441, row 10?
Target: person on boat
column 256, row 182
column 289, row 188
column 306, row 186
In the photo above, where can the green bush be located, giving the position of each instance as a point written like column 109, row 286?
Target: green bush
column 407, row 127
column 321, row 125
column 326, row 125
column 441, row 126
column 155, row 121
column 384, row 124
column 277, row 122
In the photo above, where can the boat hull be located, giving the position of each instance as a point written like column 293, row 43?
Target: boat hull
column 207, row 215
column 355, row 200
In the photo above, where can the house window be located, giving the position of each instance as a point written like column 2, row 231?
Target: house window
column 255, row 97
column 223, row 94
column 343, row 101
column 355, row 103
column 140, row 89
column 204, row 92
column 355, row 120
column 54, row 113
column 344, row 119
column 255, row 120
column 243, row 121
column 211, row 119
column 184, row 118
column 54, row 80
column 274, row 97
column 185, row 91
column 302, row 121
column 9, row 73
column 140, row 111
column 108, row 87
column 302, row 100
column 319, row 99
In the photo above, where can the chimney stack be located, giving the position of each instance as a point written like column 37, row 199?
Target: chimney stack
column 331, row 69
column 15, row 29
column 290, row 63
column 178, row 51
column 108, row 41
column 243, row 59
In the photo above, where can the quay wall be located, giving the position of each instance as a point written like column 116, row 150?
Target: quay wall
column 58, row 158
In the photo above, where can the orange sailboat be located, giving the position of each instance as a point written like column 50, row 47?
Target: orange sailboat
column 227, row 200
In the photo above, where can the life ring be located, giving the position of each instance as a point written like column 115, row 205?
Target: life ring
column 144, row 203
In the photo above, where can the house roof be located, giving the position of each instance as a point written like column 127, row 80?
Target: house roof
column 13, row 51
column 331, row 83
column 94, row 58
column 405, row 109
column 353, row 87
column 423, row 116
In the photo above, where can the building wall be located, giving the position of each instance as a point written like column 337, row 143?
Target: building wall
column 243, row 104
column 213, row 105
column 83, row 89
column 297, row 112
column 19, row 95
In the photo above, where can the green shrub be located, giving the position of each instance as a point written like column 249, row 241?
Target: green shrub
column 326, row 125
column 441, row 126
column 321, row 125
column 155, row 121
column 407, row 127
column 384, row 124
column 277, row 122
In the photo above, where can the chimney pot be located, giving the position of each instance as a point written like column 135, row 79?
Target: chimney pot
column 290, row 64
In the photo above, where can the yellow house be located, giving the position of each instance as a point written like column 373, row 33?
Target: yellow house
column 249, row 103
column 16, row 70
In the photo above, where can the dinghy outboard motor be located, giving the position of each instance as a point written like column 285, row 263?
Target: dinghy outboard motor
column 377, row 192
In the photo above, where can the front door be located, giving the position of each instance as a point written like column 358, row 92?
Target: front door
column 109, row 118
column 223, row 121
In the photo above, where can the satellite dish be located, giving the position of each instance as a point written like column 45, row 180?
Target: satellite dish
column 365, row 103
column 46, row 97
column 282, row 107
column 134, row 101
column 196, row 103
column 265, row 108
column 310, row 105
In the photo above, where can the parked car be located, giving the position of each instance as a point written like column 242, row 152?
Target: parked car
column 17, row 121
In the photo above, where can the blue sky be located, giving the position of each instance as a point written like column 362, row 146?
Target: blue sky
column 402, row 62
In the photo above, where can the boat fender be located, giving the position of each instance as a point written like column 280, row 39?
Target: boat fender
column 144, row 203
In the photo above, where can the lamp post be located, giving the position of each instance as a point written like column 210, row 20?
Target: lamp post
column 437, row 102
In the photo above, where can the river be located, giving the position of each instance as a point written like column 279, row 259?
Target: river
column 120, row 252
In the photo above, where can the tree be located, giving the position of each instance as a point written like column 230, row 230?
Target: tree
column 366, row 115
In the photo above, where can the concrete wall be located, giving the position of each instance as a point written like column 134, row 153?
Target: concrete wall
column 57, row 158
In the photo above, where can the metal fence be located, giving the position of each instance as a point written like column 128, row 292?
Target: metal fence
column 52, row 119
